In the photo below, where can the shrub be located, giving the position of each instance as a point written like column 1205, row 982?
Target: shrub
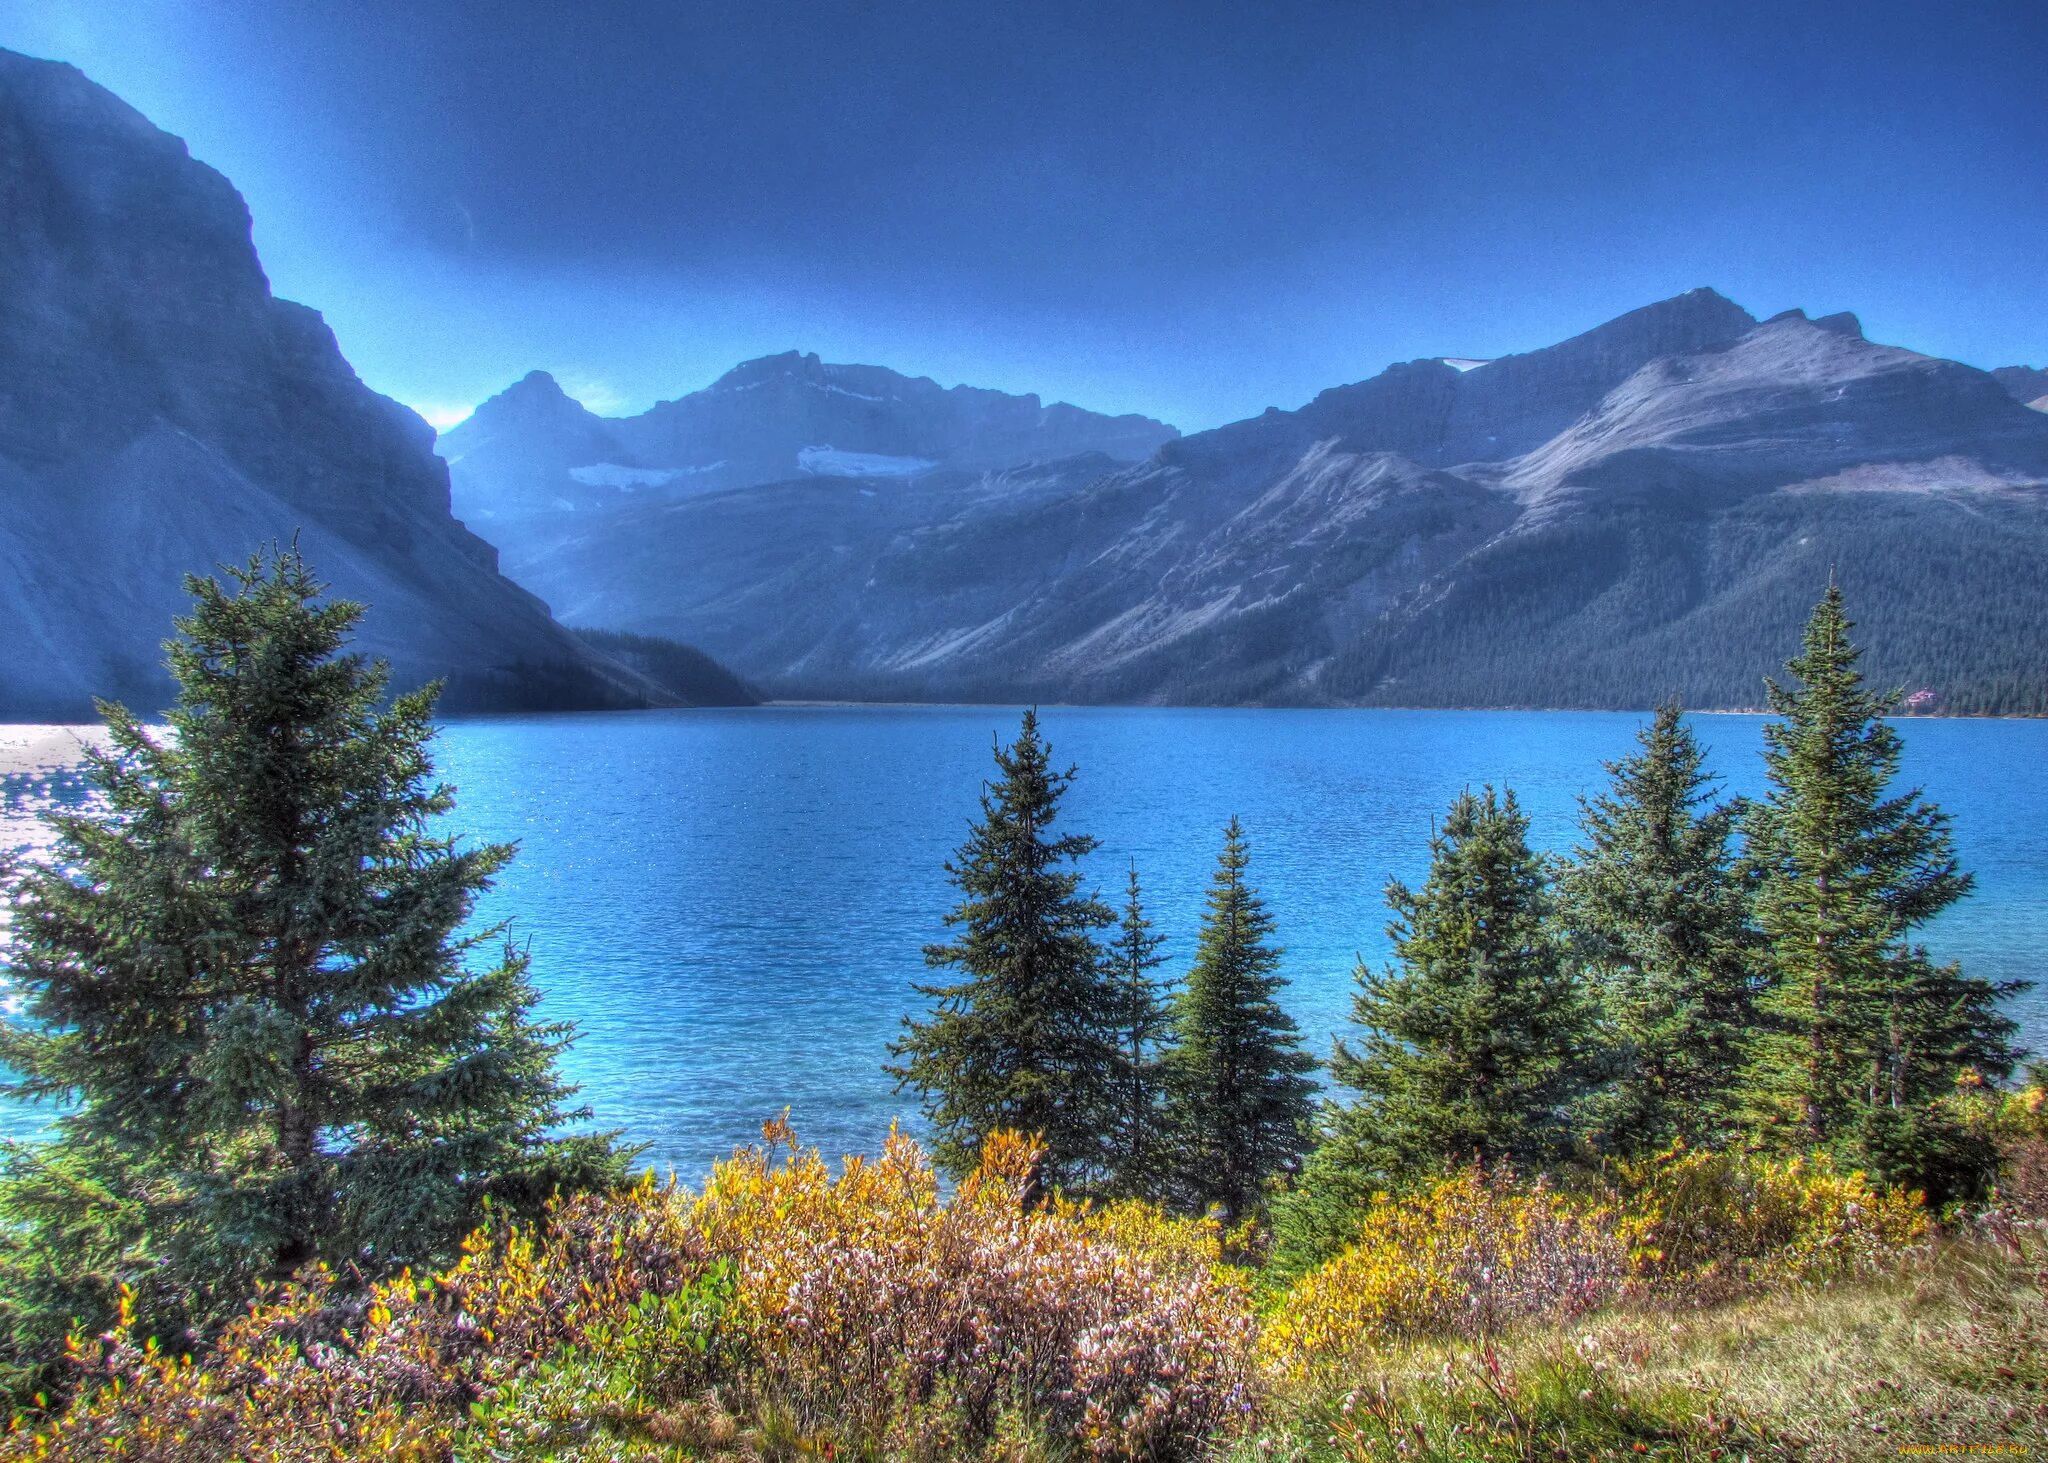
column 872, row 1305
column 784, row 1309
column 317, row 1374
column 1707, row 1223
column 1466, row 1257
column 2016, row 1125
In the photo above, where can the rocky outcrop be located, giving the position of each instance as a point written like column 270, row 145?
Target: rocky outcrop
column 1647, row 509
column 2026, row 384
column 161, row 412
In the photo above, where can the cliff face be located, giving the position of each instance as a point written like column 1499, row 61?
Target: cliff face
column 161, row 412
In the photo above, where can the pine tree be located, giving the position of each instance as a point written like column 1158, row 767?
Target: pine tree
column 1023, row 1039
column 1476, row 1038
column 1237, row 1078
column 1658, row 912
column 1860, row 1023
column 1138, row 1102
column 1141, row 1027
column 245, row 974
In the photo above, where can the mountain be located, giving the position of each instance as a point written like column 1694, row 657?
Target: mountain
column 532, row 451
column 1646, row 509
column 2026, row 383
column 161, row 412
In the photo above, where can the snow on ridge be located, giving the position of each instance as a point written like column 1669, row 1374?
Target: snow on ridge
column 828, row 461
column 618, row 475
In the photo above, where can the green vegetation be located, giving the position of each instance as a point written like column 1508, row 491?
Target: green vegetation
column 1140, row 1148
column 1026, row 1040
column 1635, row 1159
column 1863, row 1030
column 1474, row 1042
column 1236, row 1078
column 1660, row 914
column 686, row 672
column 245, row 977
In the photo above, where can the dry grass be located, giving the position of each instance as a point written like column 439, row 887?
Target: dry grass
column 1950, row 1348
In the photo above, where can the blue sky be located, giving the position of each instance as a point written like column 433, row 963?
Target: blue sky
column 1189, row 209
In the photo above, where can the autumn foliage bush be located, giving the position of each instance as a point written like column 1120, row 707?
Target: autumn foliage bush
column 1707, row 1223
column 1467, row 1255
column 1476, row 1253
column 790, row 1309
column 319, row 1375
column 872, row 1306
column 840, row 1313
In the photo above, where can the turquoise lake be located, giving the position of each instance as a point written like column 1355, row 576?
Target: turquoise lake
column 731, row 905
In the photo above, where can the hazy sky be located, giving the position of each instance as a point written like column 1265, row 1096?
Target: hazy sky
column 1193, row 210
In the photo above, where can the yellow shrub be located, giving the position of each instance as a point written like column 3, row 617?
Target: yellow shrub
column 1468, row 1256
column 1710, row 1220
column 318, row 1375
column 867, row 1299
column 858, row 1308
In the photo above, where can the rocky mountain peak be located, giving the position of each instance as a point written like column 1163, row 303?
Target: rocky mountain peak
column 536, row 398
column 1842, row 322
column 531, row 451
column 2025, row 384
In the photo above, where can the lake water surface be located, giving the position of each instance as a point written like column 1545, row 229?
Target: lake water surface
column 731, row 904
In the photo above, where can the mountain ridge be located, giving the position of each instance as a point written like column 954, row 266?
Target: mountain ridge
column 1672, row 489
column 533, row 450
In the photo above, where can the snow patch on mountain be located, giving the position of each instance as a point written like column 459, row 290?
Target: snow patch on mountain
column 827, row 461
column 618, row 475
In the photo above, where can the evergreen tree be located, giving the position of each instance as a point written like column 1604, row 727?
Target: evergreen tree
column 1863, row 1028
column 1138, row 1103
column 1658, row 912
column 1237, row 1078
column 242, row 972
column 1024, row 1039
column 1476, row 1041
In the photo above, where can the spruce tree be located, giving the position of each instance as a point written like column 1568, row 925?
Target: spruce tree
column 1237, row 1078
column 1141, row 1023
column 245, row 974
column 1658, row 913
column 1863, row 1029
column 1023, row 1038
column 1476, row 1038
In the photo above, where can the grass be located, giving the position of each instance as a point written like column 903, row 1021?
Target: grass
column 1945, row 1354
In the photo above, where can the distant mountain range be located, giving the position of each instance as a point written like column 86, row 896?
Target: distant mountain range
column 1646, row 509
column 161, row 412
column 532, row 451
column 1643, row 510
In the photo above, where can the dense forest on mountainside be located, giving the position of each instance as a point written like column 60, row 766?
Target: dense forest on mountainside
column 694, row 677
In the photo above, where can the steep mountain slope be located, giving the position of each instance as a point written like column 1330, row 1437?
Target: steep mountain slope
column 532, row 452
column 1646, row 509
column 161, row 412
